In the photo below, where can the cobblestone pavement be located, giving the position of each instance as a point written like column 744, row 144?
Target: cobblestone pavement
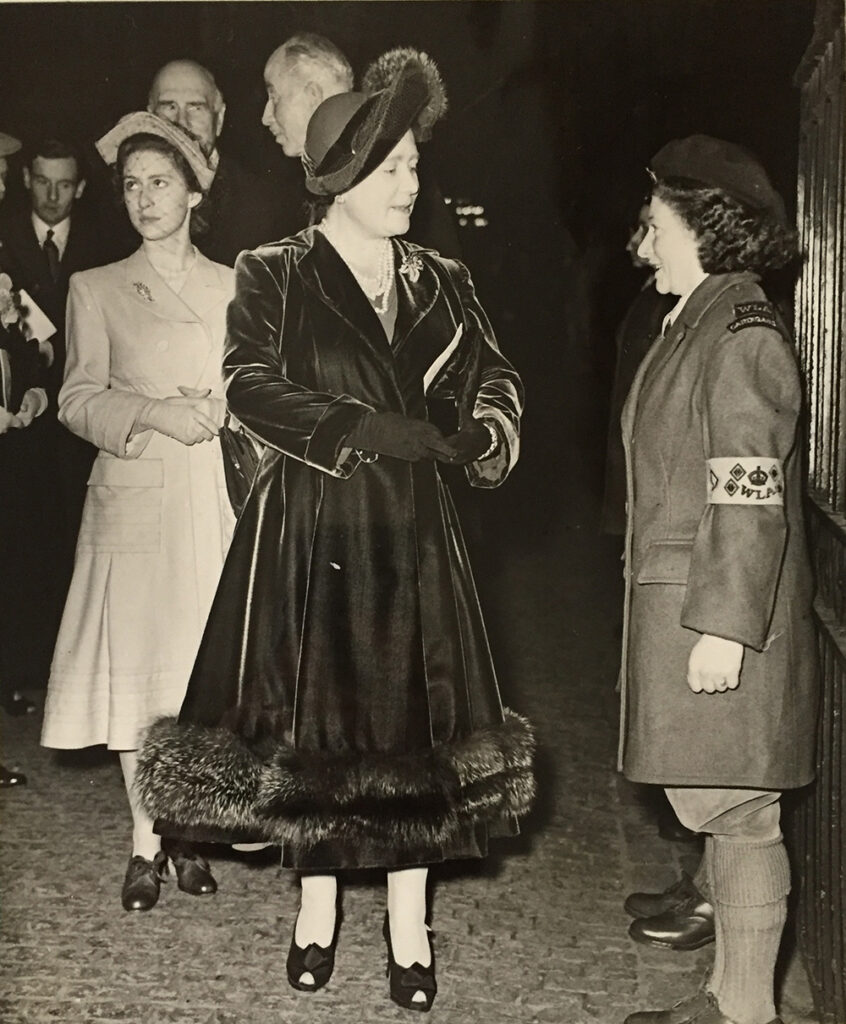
column 534, row 934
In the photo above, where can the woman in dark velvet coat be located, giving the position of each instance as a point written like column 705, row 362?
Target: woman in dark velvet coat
column 344, row 703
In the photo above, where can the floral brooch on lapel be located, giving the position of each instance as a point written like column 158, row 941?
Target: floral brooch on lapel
column 411, row 266
column 143, row 290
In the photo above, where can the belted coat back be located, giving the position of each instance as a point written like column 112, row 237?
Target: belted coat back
column 716, row 544
column 346, row 638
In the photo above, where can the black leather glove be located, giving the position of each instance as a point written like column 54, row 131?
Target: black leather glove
column 471, row 441
column 391, row 433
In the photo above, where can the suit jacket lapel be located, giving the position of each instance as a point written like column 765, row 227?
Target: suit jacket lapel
column 26, row 250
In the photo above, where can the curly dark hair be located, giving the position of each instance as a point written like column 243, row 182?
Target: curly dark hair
column 730, row 235
column 147, row 142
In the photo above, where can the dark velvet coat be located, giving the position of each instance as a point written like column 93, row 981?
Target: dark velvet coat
column 343, row 701
column 721, row 384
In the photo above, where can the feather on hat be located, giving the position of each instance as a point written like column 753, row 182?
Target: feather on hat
column 351, row 133
column 384, row 70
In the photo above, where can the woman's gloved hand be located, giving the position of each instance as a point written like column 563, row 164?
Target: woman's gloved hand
column 391, row 433
column 471, row 442
column 184, row 418
column 214, row 408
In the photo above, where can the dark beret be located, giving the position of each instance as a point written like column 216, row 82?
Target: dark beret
column 719, row 164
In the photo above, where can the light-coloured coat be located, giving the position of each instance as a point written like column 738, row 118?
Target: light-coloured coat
column 157, row 521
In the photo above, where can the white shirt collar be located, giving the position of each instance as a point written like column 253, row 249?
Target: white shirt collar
column 60, row 232
column 671, row 317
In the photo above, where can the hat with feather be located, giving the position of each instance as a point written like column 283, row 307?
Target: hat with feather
column 351, row 133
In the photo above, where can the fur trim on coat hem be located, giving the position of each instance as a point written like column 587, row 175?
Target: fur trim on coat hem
column 208, row 778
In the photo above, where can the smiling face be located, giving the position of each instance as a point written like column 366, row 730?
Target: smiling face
column 53, row 185
column 381, row 204
column 671, row 248
column 157, row 198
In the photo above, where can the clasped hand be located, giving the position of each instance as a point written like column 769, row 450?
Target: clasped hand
column 190, row 417
column 472, row 440
column 402, row 437
column 714, row 664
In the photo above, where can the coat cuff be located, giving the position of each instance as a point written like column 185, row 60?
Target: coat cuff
column 326, row 449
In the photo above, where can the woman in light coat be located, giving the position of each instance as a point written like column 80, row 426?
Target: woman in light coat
column 143, row 383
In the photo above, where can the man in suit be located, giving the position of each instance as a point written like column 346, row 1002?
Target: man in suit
column 44, row 242
column 309, row 68
column 243, row 209
column 22, row 401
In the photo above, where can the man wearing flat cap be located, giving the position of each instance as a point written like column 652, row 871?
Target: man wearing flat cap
column 243, row 208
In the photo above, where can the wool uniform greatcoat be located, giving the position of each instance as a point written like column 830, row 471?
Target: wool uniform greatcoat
column 344, row 702
column 156, row 522
column 716, row 544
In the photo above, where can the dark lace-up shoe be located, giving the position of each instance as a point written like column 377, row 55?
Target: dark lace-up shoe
column 682, row 930
column 699, row 1009
column 142, row 882
column 676, row 898
column 193, row 874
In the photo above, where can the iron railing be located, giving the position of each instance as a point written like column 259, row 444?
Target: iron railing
column 820, row 821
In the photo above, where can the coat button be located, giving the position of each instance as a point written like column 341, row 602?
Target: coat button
column 162, row 345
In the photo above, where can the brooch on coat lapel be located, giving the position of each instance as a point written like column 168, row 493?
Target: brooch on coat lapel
column 411, row 266
column 143, row 290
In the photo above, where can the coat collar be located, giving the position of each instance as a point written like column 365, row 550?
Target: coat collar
column 325, row 273
column 703, row 297
column 204, row 288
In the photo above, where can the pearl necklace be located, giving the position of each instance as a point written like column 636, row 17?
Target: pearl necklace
column 372, row 287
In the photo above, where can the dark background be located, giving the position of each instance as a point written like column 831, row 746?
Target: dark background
column 555, row 109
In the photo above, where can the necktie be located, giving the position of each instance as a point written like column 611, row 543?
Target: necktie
column 51, row 251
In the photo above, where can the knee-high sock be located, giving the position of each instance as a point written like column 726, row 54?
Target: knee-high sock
column 750, row 886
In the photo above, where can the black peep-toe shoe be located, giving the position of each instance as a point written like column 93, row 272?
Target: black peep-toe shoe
column 318, row 961
column 406, row 982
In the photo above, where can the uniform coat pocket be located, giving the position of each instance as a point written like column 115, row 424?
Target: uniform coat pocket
column 666, row 561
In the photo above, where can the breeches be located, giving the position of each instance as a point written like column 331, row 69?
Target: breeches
column 743, row 815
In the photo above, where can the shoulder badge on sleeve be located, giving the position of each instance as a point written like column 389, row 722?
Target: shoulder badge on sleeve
column 753, row 314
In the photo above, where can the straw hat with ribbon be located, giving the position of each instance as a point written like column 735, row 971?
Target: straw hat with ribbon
column 142, row 122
